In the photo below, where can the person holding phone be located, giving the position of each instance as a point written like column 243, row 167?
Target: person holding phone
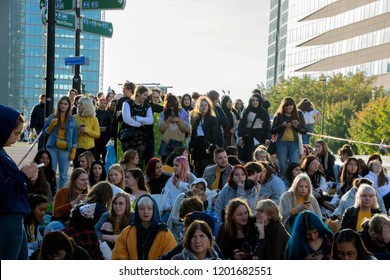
column 287, row 123
column 13, row 191
column 297, row 199
column 310, row 239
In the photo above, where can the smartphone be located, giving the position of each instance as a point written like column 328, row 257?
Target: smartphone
column 316, row 253
column 306, row 202
column 40, row 165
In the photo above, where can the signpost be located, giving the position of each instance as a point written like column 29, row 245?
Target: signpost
column 103, row 4
column 65, row 5
column 79, row 24
column 63, row 20
column 75, row 60
column 96, row 27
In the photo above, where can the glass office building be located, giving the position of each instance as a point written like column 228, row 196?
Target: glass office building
column 277, row 40
column 23, row 56
column 330, row 36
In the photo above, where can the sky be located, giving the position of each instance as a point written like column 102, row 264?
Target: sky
column 191, row 45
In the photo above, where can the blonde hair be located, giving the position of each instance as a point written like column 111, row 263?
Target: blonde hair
column 360, row 191
column 89, row 108
column 118, row 168
column 270, row 208
column 294, row 187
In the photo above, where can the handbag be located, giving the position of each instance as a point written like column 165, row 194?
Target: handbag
column 126, row 134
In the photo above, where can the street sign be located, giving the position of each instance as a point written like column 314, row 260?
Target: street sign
column 103, row 4
column 63, row 20
column 75, row 60
column 96, row 27
column 65, row 5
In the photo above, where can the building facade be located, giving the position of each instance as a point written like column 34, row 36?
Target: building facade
column 338, row 36
column 277, row 40
column 23, row 56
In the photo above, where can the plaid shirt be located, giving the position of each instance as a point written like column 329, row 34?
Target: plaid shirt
column 87, row 239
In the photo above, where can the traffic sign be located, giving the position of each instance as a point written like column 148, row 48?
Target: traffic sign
column 75, row 60
column 96, row 27
column 63, row 20
column 103, row 4
column 64, row 5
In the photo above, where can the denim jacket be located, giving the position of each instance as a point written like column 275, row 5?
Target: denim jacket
column 70, row 131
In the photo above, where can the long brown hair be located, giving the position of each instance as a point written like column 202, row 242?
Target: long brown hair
column 233, row 204
column 57, row 112
column 288, row 101
column 195, row 113
column 72, row 194
column 126, row 217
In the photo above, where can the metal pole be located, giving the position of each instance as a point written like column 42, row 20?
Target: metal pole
column 50, row 59
column 323, row 107
column 76, row 82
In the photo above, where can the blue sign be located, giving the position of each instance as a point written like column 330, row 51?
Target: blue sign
column 75, row 60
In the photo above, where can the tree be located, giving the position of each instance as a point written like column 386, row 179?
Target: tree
column 344, row 95
column 371, row 125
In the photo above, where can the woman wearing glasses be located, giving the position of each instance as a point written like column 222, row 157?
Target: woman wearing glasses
column 348, row 245
column 272, row 236
column 366, row 205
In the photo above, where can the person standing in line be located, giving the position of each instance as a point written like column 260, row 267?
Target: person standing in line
column 204, row 124
column 254, row 128
column 287, row 123
column 72, row 93
column 137, row 114
column 222, row 120
column 62, row 141
column 37, row 119
column 312, row 116
column 128, row 89
column 14, row 203
column 88, row 128
column 105, row 118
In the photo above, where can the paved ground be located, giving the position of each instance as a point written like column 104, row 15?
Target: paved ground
column 18, row 150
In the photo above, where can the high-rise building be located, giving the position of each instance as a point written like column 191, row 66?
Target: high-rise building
column 23, row 55
column 344, row 36
column 277, row 41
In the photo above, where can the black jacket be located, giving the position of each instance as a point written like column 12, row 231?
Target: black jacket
column 37, row 119
column 350, row 217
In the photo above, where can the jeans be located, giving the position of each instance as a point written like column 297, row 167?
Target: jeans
column 13, row 238
column 61, row 157
column 306, row 137
column 287, row 152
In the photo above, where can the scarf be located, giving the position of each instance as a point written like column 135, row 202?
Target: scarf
column 188, row 255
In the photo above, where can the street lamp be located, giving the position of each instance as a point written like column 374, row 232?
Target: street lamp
column 323, row 79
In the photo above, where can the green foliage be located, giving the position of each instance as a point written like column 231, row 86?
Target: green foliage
column 371, row 124
column 343, row 95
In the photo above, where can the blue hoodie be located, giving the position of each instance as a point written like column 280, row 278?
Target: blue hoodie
column 13, row 182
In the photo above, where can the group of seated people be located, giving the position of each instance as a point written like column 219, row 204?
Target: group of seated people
column 317, row 210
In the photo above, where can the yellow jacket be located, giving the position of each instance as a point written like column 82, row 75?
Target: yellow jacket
column 126, row 244
column 86, row 139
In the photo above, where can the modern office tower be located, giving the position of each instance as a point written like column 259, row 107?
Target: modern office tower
column 344, row 36
column 23, row 56
column 277, row 41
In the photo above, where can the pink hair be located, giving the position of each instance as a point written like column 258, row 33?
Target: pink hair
column 182, row 160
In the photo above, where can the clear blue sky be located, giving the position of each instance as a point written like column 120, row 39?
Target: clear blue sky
column 192, row 45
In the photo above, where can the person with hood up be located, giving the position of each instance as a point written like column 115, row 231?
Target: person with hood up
column 13, row 189
column 146, row 238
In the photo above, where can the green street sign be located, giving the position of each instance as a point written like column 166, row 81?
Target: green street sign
column 63, row 20
column 96, row 27
column 103, row 4
column 65, row 5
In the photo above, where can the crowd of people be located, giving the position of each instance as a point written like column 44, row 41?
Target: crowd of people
column 190, row 177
